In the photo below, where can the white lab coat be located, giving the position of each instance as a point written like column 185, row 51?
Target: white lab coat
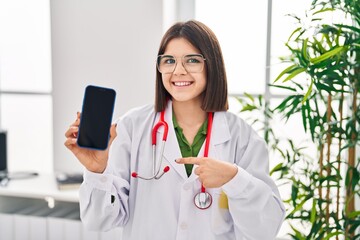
column 164, row 209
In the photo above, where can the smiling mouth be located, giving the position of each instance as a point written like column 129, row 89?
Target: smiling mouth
column 182, row 84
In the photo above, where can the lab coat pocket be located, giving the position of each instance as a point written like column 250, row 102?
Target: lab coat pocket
column 221, row 221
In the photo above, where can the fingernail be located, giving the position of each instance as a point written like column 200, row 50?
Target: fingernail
column 176, row 160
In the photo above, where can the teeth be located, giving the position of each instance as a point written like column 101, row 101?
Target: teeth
column 180, row 84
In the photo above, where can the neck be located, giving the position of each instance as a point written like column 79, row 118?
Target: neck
column 189, row 114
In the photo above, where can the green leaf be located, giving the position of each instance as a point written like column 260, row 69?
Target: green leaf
column 283, row 87
column 353, row 214
column 329, row 236
column 295, row 31
column 326, row 36
column 327, row 88
column 299, row 206
column 323, row 10
column 298, row 235
column 311, row 121
column 307, row 94
column 303, row 114
column 285, row 71
column 294, row 194
column 313, row 212
column 276, row 168
column 319, row 45
column 282, row 106
column 326, row 55
column 260, row 98
column 304, row 49
column 298, row 85
column 294, row 106
column 249, row 96
column 248, row 107
column 352, row 28
column 294, row 73
column 355, row 178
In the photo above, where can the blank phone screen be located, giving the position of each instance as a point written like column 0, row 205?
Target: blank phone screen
column 96, row 117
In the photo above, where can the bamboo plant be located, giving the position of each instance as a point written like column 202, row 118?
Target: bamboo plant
column 323, row 84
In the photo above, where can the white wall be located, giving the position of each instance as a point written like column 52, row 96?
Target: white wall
column 111, row 43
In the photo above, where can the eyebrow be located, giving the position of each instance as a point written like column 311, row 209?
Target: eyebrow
column 167, row 56
column 187, row 55
column 194, row 54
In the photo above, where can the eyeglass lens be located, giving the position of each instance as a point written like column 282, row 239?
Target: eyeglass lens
column 192, row 63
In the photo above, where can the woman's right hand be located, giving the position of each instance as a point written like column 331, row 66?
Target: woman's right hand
column 93, row 160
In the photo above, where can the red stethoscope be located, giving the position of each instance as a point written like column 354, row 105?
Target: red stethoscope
column 202, row 199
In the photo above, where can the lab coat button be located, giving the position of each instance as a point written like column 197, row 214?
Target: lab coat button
column 183, row 225
column 103, row 179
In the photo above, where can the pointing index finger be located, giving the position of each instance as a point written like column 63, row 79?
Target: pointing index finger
column 189, row 160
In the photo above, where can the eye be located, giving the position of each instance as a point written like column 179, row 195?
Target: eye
column 193, row 59
column 168, row 60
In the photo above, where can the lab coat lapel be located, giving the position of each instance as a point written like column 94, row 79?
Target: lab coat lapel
column 172, row 149
column 220, row 130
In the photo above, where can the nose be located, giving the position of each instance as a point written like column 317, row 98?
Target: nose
column 179, row 68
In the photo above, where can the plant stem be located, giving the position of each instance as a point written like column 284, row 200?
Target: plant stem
column 328, row 160
column 321, row 159
column 338, row 156
column 351, row 161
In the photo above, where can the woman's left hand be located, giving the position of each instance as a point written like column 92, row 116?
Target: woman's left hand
column 212, row 173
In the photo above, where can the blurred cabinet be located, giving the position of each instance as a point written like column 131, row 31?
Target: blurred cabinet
column 34, row 209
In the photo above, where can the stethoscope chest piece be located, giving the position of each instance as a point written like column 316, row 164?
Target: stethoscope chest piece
column 203, row 200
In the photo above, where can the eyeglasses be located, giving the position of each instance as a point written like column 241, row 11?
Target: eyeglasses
column 193, row 63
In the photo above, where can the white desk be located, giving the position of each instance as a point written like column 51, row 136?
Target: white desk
column 42, row 186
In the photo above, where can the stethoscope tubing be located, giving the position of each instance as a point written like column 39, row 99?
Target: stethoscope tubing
column 207, row 143
column 203, row 199
column 156, row 168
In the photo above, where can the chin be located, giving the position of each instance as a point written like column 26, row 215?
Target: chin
column 186, row 99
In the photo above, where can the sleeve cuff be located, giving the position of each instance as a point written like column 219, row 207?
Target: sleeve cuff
column 101, row 181
column 237, row 186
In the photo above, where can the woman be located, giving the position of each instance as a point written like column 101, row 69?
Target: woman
column 208, row 151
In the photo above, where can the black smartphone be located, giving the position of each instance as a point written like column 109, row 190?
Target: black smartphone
column 96, row 117
column 3, row 160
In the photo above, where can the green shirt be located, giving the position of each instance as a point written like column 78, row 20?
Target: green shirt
column 185, row 148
